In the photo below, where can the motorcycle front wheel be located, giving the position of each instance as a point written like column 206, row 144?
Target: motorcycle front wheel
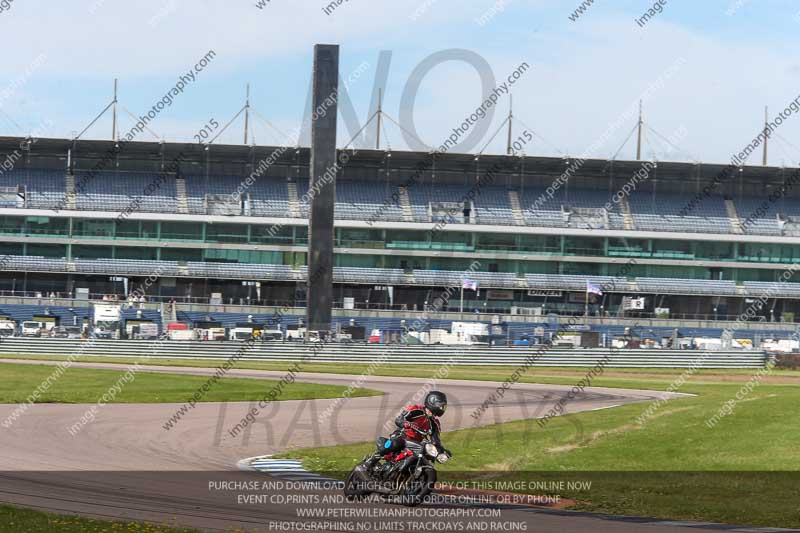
column 417, row 489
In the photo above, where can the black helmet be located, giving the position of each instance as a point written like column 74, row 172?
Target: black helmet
column 437, row 402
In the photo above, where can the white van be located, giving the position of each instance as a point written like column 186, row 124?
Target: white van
column 32, row 328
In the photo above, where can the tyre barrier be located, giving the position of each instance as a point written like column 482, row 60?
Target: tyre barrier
column 393, row 354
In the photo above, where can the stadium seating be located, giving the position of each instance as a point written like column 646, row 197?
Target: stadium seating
column 44, row 189
column 761, row 221
column 358, row 200
column 759, row 288
column 304, row 198
column 492, row 206
column 361, row 199
column 120, row 191
column 266, row 196
column 64, row 315
column 654, row 213
column 435, row 278
column 548, row 213
column 269, row 197
column 423, row 195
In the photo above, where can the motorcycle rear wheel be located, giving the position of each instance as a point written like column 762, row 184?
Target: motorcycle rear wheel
column 351, row 490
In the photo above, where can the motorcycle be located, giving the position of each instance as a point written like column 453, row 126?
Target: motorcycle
column 410, row 479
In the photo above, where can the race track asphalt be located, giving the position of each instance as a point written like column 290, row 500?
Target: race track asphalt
column 126, row 465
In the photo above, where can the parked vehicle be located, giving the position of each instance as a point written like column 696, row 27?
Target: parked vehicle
column 183, row 335
column 244, row 331
column 295, row 333
column 271, row 335
column 106, row 320
column 31, row 328
column 177, row 331
column 211, row 334
column 524, row 340
column 461, row 333
column 8, row 328
column 142, row 330
column 66, row 332
column 387, row 336
column 777, row 345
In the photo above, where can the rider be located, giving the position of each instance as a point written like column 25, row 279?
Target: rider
column 416, row 421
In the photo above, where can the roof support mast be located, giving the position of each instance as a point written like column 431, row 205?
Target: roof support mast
column 378, row 125
column 639, row 135
column 114, row 113
column 509, row 151
column 246, row 112
column 766, row 135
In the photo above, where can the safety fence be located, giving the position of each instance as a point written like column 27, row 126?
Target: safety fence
column 395, row 354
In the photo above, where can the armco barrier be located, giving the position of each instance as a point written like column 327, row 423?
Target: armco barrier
column 360, row 353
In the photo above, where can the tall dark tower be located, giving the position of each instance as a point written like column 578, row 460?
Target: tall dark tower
column 323, row 168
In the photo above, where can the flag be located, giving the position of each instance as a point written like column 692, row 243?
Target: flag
column 470, row 284
column 593, row 289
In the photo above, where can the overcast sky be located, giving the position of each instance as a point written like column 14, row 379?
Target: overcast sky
column 725, row 59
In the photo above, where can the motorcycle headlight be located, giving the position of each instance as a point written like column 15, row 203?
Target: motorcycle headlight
column 431, row 450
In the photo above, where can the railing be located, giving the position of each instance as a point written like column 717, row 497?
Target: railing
column 401, row 354
column 410, row 311
column 716, row 317
column 257, row 239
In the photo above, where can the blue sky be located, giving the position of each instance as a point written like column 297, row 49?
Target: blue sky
column 734, row 57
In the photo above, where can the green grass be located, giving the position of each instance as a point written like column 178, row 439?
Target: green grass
column 84, row 385
column 481, row 373
column 19, row 520
column 742, row 471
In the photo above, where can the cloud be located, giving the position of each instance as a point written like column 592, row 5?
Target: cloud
column 583, row 76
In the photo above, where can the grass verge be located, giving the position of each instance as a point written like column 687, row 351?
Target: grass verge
column 743, row 470
column 480, row 373
column 86, row 385
column 21, row 520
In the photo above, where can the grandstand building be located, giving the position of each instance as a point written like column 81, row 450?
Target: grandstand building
column 205, row 223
